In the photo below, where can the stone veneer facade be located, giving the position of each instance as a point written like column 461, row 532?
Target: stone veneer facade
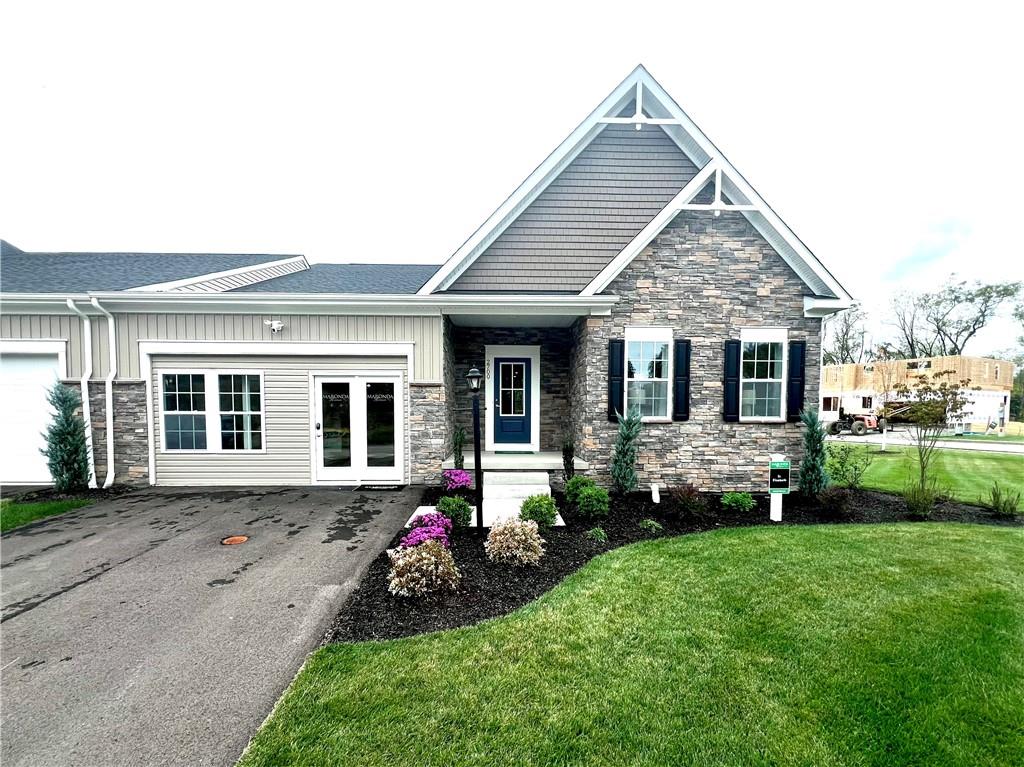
column 428, row 432
column 466, row 350
column 131, row 433
column 707, row 278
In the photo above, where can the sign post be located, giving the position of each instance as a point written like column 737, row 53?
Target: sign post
column 778, row 484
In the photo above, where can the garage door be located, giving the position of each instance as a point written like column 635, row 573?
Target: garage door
column 24, row 415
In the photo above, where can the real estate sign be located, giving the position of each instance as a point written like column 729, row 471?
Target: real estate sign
column 778, row 477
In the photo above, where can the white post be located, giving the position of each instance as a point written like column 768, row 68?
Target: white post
column 775, row 499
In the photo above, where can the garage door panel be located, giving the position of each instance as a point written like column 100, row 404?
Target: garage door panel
column 25, row 380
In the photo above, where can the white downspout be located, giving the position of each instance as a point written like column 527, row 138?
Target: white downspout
column 111, row 374
column 86, row 375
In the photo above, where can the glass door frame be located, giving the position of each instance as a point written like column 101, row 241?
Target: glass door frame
column 358, row 471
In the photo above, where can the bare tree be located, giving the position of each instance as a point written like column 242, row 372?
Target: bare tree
column 844, row 337
column 915, row 339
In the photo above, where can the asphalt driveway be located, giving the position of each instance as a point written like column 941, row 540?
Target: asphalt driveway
column 131, row 636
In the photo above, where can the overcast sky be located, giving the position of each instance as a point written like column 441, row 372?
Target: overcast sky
column 889, row 139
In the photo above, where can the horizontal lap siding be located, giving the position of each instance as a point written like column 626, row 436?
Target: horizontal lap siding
column 285, row 414
column 586, row 215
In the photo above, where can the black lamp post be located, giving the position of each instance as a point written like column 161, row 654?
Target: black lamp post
column 474, row 377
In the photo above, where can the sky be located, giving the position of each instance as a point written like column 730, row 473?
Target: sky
column 887, row 135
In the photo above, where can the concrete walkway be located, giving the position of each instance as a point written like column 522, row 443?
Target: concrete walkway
column 131, row 636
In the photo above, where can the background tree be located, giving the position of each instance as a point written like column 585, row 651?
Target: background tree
column 844, row 337
column 915, row 338
column 66, row 451
column 935, row 403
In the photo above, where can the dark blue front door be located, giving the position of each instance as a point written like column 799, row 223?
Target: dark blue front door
column 511, row 401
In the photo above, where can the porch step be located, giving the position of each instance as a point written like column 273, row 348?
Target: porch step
column 514, row 491
column 515, row 478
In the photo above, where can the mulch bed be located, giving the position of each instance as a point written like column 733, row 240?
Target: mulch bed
column 45, row 494
column 488, row 590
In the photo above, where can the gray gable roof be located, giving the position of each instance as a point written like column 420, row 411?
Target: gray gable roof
column 348, row 278
column 589, row 213
column 22, row 272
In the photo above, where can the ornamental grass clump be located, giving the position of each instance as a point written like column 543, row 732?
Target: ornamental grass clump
column 592, row 503
column 539, row 508
column 515, row 542
column 456, row 479
column 456, row 509
column 425, row 569
column 1005, row 503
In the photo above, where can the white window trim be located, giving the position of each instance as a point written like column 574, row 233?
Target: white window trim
column 766, row 335
column 212, row 412
column 658, row 334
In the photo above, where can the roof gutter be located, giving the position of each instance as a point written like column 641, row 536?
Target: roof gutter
column 86, row 375
column 109, row 383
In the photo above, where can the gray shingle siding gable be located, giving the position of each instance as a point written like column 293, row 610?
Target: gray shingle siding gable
column 592, row 210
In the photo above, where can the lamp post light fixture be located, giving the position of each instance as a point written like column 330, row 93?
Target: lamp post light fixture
column 474, row 377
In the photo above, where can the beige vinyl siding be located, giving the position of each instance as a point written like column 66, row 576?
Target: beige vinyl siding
column 424, row 332
column 286, row 421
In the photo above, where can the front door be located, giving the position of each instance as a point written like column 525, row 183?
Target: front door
column 358, row 429
column 512, row 382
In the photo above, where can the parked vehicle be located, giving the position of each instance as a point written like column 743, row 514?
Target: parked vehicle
column 858, row 425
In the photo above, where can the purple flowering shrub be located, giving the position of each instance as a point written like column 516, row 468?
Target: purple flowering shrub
column 456, row 479
column 432, row 519
column 419, row 535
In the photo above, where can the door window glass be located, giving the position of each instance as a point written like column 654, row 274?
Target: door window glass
column 513, row 389
column 336, row 429
column 380, row 424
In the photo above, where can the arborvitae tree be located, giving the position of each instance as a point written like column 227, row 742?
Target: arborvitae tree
column 813, row 477
column 624, row 456
column 66, row 452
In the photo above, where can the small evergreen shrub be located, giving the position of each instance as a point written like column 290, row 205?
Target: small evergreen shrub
column 1005, row 503
column 569, row 458
column 66, row 451
column 574, row 486
column 688, row 500
column 592, row 503
column 458, row 440
column 597, row 534
column 539, row 508
column 421, row 570
column 650, row 526
column 921, row 499
column 847, row 465
column 456, row 509
column 835, row 501
column 515, row 542
column 625, row 452
column 456, row 479
column 813, row 477
column 741, row 502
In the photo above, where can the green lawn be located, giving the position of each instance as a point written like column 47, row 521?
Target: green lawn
column 984, row 438
column 966, row 474
column 824, row 645
column 14, row 514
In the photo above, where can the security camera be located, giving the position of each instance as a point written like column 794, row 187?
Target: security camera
column 276, row 326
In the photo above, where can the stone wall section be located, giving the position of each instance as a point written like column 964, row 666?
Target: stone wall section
column 707, row 278
column 131, row 433
column 428, row 432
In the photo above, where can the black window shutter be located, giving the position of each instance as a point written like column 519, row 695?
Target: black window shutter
column 616, row 377
column 681, row 381
column 795, row 384
column 731, row 399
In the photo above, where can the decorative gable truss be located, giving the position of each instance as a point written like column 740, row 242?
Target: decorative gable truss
column 717, row 187
column 222, row 282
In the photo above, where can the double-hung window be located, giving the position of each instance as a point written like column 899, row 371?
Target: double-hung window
column 649, row 372
column 763, row 374
column 184, row 405
column 241, row 411
column 195, row 403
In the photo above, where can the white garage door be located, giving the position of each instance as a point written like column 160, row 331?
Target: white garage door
column 24, row 416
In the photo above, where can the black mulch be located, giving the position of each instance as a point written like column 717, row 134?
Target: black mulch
column 488, row 590
column 46, row 494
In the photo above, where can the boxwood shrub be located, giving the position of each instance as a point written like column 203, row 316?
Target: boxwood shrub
column 540, row 508
column 574, row 486
column 456, row 509
column 592, row 503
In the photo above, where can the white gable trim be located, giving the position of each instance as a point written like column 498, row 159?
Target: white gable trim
column 229, row 279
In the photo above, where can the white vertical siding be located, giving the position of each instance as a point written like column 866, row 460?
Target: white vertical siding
column 424, row 332
column 286, row 421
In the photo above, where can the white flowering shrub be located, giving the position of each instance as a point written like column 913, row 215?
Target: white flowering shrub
column 423, row 569
column 515, row 542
